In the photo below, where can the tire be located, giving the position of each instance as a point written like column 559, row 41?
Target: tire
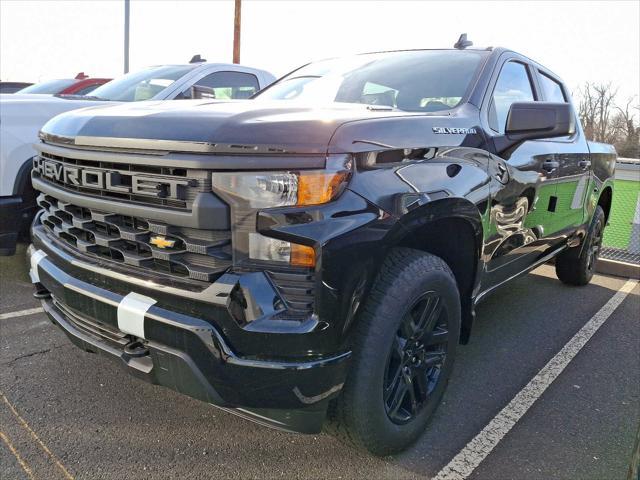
column 27, row 212
column 415, row 292
column 576, row 266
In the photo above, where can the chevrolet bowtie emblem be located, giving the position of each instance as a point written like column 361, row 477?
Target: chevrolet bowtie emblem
column 162, row 242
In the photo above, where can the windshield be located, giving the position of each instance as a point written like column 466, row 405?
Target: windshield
column 50, row 87
column 414, row 81
column 141, row 85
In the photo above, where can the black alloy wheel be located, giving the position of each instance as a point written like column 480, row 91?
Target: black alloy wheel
column 404, row 347
column 576, row 265
column 595, row 246
column 417, row 355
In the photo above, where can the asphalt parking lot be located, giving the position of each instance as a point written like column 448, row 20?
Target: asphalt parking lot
column 65, row 413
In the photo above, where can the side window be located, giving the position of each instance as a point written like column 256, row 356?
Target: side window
column 513, row 85
column 228, row 85
column 552, row 89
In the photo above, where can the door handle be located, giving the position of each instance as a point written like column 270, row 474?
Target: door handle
column 584, row 164
column 550, row 166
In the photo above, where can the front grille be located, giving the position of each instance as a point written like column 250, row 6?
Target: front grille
column 113, row 180
column 188, row 253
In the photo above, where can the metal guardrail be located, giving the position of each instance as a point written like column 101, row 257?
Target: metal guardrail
column 622, row 237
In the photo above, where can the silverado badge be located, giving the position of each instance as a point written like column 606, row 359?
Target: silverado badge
column 162, row 242
column 452, row 130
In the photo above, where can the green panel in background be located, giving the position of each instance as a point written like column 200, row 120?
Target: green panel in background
column 625, row 199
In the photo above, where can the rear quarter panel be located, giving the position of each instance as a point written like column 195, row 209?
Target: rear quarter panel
column 603, row 165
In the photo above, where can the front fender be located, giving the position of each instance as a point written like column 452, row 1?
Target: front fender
column 440, row 209
column 15, row 152
column 20, row 121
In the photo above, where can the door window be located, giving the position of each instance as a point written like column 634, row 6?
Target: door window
column 552, row 89
column 228, row 85
column 514, row 85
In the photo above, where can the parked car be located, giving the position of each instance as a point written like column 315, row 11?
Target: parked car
column 80, row 85
column 13, row 87
column 22, row 115
column 320, row 249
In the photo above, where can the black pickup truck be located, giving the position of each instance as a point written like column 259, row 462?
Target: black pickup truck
column 314, row 255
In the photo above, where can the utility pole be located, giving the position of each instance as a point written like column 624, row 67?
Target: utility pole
column 236, row 33
column 126, row 36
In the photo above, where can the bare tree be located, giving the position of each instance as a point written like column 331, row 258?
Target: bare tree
column 595, row 110
column 604, row 121
column 627, row 133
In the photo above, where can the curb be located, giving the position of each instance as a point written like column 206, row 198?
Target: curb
column 618, row 269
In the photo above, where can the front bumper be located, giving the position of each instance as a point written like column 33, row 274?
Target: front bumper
column 154, row 339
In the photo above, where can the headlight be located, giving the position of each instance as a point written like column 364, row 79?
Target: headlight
column 279, row 189
column 248, row 192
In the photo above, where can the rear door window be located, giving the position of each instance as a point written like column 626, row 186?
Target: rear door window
column 552, row 89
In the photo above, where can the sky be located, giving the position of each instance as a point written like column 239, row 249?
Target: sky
column 578, row 40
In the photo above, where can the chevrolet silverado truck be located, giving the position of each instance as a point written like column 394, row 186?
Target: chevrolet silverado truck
column 22, row 116
column 313, row 256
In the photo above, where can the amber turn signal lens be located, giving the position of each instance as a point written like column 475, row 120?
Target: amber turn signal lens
column 316, row 188
column 302, row 255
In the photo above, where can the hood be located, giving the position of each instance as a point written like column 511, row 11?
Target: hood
column 17, row 107
column 23, row 96
column 244, row 126
column 248, row 126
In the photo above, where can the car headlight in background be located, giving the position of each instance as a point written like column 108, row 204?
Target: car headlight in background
column 248, row 192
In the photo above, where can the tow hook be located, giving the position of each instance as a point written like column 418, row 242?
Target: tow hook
column 41, row 293
column 136, row 348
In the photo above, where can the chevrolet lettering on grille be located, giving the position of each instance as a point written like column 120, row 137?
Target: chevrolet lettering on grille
column 114, row 181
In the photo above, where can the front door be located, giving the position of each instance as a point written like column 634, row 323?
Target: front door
column 523, row 215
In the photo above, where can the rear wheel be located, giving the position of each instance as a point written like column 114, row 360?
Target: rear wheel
column 576, row 266
column 405, row 343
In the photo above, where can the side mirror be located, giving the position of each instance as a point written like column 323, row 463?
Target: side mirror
column 536, row 120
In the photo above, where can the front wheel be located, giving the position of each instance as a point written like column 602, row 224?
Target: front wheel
column 405, row 342
column 576, row 266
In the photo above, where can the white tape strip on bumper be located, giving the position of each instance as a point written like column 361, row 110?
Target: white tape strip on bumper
column 131, row 311
column 36, row 258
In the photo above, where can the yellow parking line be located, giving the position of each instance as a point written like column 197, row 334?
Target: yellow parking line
column 13, row 450
column 33, row 434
